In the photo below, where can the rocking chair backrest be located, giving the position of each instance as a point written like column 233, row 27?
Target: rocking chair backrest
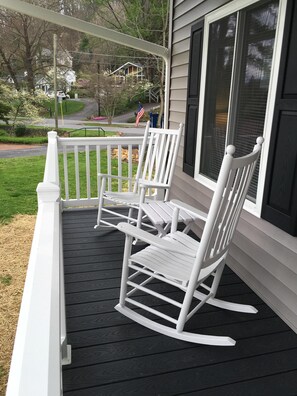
column 158, row 156
column 228, row 199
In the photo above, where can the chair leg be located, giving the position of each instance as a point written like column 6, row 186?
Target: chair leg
column 217, row 278
column 139, row 217
column 100, row 202
column 130, row 213
column 125, row 270
column 182, row 318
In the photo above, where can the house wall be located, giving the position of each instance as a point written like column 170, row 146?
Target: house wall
column 264, row 256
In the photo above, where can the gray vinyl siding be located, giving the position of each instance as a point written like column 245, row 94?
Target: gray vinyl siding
column 264, row 256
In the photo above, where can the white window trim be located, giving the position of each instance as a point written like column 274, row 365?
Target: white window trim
column 254, row 208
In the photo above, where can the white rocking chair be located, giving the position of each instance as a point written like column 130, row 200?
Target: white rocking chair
column 153, row 177
column 181, row 261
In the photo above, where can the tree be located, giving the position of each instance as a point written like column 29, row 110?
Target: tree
column 5, row 108
column 14, row 104
column 25, row 37
column 26, row 104
column 145, row 19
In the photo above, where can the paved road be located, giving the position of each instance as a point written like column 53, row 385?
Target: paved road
column 79, row 120
column 41, row 150
column 82, row 119
column 91, row 109
column 23, row 152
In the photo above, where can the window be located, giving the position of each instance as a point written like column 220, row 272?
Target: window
column 238, row 55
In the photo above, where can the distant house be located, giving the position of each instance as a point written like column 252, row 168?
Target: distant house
column 43, row 84
column 65, row 74
column 129, row 70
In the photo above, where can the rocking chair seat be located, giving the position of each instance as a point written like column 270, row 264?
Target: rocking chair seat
column 127, row 198
column 170, row 264
column 122, row 198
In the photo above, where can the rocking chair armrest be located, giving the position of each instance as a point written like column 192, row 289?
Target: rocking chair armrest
column 152, row 184
column 190, row 209
column 107, row 175
column 145, row 236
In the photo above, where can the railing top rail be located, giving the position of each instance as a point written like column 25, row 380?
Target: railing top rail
column 93, row 141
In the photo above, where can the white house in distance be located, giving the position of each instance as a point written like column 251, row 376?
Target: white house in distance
column 65, row 74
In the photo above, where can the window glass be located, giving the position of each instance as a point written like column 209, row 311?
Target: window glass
column 219, row 72
column 236, row 92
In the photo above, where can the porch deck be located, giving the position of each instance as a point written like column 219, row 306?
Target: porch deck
column 112, row 355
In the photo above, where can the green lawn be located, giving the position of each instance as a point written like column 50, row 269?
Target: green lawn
column 84, row 132
column 81, row 132
column 67, row 106
column 23, row 140
column 20, row 176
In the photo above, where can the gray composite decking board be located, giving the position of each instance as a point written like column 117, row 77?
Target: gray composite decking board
column 155, row 344
column 279, row 384
column 111, row 355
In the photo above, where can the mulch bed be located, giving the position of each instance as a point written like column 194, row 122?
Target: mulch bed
column 16, row 239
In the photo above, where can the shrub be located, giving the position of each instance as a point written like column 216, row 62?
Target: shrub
column 21, row 130
column 3, row 132
column 71, row 94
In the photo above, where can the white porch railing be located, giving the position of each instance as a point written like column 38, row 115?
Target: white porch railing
column 40, row 347
column 84, row 158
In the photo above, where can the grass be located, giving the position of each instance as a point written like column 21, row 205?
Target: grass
column 68, row 107
column 43, row 140
column 84, row 132
column 101, row 124
column 80, row 132
column 20, row 177
column 23, row 140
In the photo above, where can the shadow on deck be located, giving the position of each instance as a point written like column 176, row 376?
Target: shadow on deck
column 111, row 355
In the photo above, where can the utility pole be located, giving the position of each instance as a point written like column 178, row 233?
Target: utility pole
column 55, row 82
column 98, row 87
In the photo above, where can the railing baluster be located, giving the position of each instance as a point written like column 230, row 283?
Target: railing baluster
column 98, row 159
column 109, row 166
column 66, row 182
column 76, row 162
column 120, row 172
column 88, row 171
column 130, row 165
